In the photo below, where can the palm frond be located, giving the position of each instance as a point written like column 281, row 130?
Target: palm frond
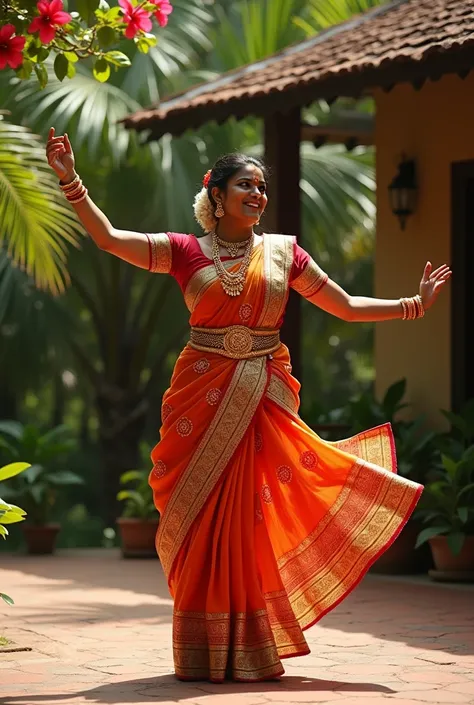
column 37, row 223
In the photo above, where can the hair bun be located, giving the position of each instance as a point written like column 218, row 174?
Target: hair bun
column 204, row 211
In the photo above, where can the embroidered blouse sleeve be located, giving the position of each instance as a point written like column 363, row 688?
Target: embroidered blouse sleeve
column 307, row 278
column 168, row 252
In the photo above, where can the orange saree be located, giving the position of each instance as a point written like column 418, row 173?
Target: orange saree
column 265, row 527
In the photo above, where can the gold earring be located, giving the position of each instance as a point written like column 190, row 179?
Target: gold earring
column 219, row 210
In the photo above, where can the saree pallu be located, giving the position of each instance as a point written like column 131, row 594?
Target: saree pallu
column 265, row 527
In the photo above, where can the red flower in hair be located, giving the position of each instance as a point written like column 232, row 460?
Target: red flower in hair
column 207, row 178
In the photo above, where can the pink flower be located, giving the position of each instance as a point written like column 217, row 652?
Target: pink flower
column 10, row 47
column 51, row 17
column 163, row 9
column 136, row 18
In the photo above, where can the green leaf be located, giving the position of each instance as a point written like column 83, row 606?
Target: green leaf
column 117, row 58
column 25, row 69
column 60, row 67
column 131, row 495
column 3, row 531
column 144, row 44
column 114, row 14
column 466, row 489
column 463, row 514
column 394, row 396
column 6, row 598
column 71, row 57
column 101, row 70
column 65, row 478
column 41, row 75
column 456, row 542
column 429, row 533
column 12, row 470
column 106, row 36
column 71, row 70
column 131, row 475
column 12, row 428
column 33, row 473
column 11, row 518
column 86, row 9
column 43, row 54
column 14, row 508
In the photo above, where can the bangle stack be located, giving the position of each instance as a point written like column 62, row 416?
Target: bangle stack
column 412, row 308
column 75, row 192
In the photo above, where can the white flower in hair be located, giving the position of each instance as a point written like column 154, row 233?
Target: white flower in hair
column 204, row 211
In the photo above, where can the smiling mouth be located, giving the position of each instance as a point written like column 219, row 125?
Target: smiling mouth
column 255, row 206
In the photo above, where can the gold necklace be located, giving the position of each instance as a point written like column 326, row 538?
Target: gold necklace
column 232, row 282
column 233, row 247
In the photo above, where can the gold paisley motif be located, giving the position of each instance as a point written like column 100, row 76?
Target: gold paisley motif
column 310, row 281
column 278, row 260
column 282, row 395
column 216, row 448
column 372, row 506
column 161, row 254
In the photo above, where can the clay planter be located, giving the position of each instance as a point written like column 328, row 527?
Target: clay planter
column 138, row 537
column 401, row 558
column 41, row 539
column 452, row 568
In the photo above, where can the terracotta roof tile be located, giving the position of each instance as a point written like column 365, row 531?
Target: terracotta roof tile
column 406, row 40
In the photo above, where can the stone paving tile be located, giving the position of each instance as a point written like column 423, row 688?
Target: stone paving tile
column 100, row 632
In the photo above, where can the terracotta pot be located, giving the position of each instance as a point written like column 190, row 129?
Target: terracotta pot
column 138, row 537
column 41, row 539
column 448, row 566
column 401, row 558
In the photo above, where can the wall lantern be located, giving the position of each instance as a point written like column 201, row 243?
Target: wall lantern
column 403, row 191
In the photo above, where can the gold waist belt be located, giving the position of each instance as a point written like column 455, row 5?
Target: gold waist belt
column 238, row 342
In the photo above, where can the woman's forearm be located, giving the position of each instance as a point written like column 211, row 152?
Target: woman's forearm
column 364, row 308
column 94, row 221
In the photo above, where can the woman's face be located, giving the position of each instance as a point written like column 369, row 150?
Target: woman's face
column 245, row 197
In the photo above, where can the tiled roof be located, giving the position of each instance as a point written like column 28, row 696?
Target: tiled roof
column 405, row 40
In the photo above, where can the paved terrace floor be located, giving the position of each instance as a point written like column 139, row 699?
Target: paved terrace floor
column 99, row 630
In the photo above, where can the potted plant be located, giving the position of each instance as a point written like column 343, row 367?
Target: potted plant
column 39, row 488
column 10, row 513
column 139, row 521
column 417, row 458
column 447, row 504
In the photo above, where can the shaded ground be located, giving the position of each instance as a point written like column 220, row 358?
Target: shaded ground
column 99, row 629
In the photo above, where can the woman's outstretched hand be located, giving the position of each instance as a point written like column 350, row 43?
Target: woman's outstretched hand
column 60, row 156
column 432, row 282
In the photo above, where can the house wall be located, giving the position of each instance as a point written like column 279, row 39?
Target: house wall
column 435, row 127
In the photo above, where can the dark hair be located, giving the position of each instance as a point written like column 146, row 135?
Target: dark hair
column 227, row 166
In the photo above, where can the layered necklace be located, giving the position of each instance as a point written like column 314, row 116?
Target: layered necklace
column 232, row 282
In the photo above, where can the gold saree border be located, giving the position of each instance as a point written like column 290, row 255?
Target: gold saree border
column 161, row 253
column 376, row 446
column 213, row 645
column 278, row 261
column 367, row 516
column 212, row 455
column 281, row 394
column 200, row 283
column 310, row 281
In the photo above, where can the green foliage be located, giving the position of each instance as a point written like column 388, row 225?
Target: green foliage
column 40, row 485
column 10, row 513
column 448, row 502
column 37, row 222
column 139, row 499
column 90, row 31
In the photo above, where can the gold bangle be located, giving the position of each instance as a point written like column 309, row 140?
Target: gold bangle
column 412, row 308
column 70, row 185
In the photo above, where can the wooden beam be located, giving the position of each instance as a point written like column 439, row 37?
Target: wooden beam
column 283, row 215
column 346, row 132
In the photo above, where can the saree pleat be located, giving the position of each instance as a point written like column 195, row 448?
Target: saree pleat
column 264, row 526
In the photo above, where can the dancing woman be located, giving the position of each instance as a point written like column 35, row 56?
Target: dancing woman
column 264, row 527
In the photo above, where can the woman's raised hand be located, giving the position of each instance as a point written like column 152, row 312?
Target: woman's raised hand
column 432, row 282
column 60, row 156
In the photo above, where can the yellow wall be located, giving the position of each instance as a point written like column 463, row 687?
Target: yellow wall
column 435, row 127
